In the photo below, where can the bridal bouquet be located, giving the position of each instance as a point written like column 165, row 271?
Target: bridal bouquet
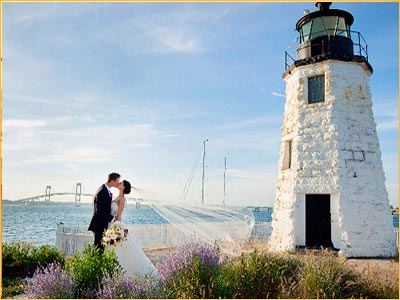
column 115, row 234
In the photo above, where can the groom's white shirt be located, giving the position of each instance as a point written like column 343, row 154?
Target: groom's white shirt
column 108, row 189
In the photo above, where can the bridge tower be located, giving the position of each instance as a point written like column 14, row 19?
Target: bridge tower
column 47, row 196
column 78, row 194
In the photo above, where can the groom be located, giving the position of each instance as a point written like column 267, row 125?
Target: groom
column 102, row 209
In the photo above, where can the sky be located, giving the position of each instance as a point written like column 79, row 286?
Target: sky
column 135, row 88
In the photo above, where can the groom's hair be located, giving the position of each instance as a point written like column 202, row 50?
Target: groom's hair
column 113, row 176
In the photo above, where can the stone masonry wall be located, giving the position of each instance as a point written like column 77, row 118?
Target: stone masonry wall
column 335, row 150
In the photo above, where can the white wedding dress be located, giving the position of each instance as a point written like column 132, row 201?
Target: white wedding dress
column 130, row 256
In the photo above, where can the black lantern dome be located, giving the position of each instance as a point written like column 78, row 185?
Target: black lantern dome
column 325, row 34
column 325, row 30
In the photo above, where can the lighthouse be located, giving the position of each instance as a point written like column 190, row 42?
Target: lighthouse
column 331, row 189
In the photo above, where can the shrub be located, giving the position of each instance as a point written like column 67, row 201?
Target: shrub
column 52, row 282
column 89, row 268
column 118, row 286
column 190, row 271
column 325, row 276
column 21, row 259
column 17, row 259
column 46, row 255
column 12, row 287
column 256, row 276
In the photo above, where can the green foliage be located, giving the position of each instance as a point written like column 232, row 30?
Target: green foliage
column 89, row 268
column 324, row 275
column 256, row 276
column 198, row 280
column 190, row 271
column 20, row 259
column 12, row 287
column 46, row 255
column 262, row 275
column 193, row 272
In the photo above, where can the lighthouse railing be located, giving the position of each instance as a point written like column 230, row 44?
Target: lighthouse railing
column 288, row 60
column 360, row 47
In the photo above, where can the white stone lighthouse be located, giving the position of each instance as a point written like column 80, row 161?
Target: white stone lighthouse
column 331, row 186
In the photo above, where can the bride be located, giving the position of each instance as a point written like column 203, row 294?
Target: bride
column 130, row 256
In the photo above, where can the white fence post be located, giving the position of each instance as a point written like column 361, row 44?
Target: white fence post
column 59, row 230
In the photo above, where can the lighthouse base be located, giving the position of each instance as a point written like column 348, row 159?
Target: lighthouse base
column 316, row 221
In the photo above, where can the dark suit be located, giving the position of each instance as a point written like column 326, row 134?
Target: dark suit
column 101, row 215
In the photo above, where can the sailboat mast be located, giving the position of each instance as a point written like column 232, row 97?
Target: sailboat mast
column 224, row 182
column 202, row 181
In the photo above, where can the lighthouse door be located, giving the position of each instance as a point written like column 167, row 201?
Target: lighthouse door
column 318, row 221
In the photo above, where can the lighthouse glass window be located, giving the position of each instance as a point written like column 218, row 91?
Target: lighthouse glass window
column 316, row 89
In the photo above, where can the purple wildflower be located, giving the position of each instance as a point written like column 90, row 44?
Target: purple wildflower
column 182, row 258
column 118, row 286
column 50, row 282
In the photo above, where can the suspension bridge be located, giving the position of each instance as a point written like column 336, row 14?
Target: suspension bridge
column 78, row 194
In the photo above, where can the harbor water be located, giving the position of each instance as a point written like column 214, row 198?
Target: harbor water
column 38, row 223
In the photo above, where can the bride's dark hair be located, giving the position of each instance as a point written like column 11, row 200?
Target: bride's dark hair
column 127, row 187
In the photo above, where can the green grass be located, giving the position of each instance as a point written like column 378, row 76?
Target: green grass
column 323, row 275
column 257, row 276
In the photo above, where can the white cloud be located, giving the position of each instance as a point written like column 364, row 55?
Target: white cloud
column 393, row 191
column 17, row 124
column 386, row 109
column 278, row 94
column 27, row 13
column 22, row 123
column 16, row 97
column 259, row 141
column 171, row 135
column 152, row 33
column 385, row 125
column 74, row 142
column 386, row 116
column 184, row 29
column 173, row 39
column 241, row 185
column 260, row 122
column 75, row 155
column 248, row 174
